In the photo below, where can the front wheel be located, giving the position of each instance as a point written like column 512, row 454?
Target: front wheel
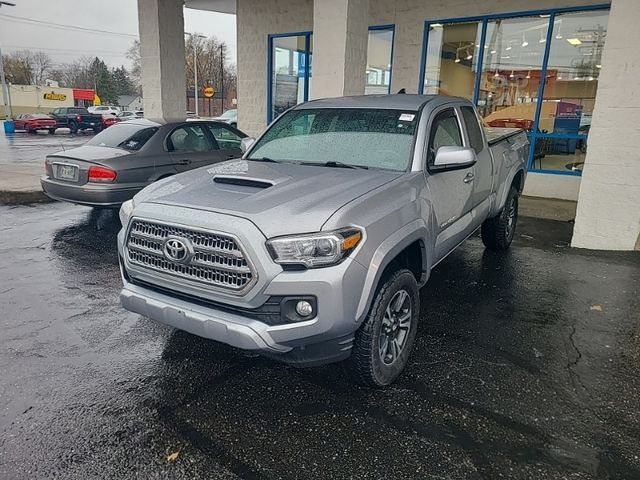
column 97, row 129
column 73, row 127
column 497, row 232
column 384, row 341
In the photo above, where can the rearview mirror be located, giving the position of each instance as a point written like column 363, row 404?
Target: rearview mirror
column 454, row 157
column 246, row 143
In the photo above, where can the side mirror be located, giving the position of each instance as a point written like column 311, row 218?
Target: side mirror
column 246, row 143
column 454, row 157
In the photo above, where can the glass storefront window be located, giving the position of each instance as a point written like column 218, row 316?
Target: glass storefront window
column 290, row 70
column 575, row 59
column 511, row 71
column 452, row 58
column 514, row 76
column 379, row 55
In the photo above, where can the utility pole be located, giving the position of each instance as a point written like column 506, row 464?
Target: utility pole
column 195, row 68
column 221, row 79
column 5, row 90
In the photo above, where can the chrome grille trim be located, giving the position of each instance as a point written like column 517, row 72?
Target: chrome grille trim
column 218, row 258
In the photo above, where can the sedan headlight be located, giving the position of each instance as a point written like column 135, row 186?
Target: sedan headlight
column 314, row 250
column 125, row 212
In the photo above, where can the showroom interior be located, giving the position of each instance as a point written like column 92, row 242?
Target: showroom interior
column 503, row 56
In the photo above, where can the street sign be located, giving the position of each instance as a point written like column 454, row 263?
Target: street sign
column 208, row 92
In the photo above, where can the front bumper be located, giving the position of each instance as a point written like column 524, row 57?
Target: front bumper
column 325, row 338
column 95, row 195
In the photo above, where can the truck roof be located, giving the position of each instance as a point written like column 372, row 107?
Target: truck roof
column 388, row 102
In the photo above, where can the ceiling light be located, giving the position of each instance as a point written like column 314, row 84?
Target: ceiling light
column 492, row 52
column 590, row 79
column 508, row 48
column 574, row 41
column 469, row 56
column 457, row 60
column 598, row 66
column 496, row 74
column 529, row 74
column 436, row 25
column 506, row 56
column 524, row 41
column 511, row 75
column 559, row 36
column 559, row 77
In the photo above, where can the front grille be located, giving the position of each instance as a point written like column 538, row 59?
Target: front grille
column 217, row 259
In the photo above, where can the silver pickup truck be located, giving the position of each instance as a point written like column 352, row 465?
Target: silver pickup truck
column 313, row 246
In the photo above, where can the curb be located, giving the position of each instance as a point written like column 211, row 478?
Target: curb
column 13, row 197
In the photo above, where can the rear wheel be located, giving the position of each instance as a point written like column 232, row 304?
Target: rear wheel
column 73, row 127
column 97, row 129
column 497, row 232
column 27, row 129
column 384, row 341
column 52, row 131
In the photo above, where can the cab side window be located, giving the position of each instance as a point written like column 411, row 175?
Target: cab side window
column 473, row 129
column 445, row 132
column 189, row 138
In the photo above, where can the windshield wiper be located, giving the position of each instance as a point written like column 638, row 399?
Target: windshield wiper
column 334, row 164
column 264, row 159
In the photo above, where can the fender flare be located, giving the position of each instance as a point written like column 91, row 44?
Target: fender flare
column 385, row 253
column 506, row 186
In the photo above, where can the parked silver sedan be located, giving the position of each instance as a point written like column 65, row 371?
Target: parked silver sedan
column 120, row 161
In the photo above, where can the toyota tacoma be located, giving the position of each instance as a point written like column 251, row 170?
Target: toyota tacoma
column 313, row 246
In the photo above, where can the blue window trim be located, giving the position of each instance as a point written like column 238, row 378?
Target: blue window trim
column 392, row 28
column 484, row 20
column 307, row 47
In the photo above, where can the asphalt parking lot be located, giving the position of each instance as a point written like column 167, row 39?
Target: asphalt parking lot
column 526, row 366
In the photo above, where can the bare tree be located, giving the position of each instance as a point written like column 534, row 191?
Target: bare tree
column 40, row 66
column 26, row 67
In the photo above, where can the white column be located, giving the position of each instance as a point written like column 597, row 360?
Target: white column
column 161, row 28
column 608, row 215
column 340, row 35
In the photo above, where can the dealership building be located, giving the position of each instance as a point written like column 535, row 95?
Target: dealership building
column 567, row 71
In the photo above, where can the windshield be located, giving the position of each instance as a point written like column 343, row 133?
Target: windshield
column 229, row 114
column 352, row 136
column 39, row 115
column 127, row 136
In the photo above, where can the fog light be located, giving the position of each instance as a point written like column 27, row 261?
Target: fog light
column 304, row 308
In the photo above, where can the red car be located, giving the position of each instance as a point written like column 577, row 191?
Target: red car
column 30, row 122
column 108, row 120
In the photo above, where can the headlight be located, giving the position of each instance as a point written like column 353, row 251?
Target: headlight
column 125, row 212
column 316, row 249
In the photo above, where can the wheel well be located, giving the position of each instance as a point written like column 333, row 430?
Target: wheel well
column 411, row 258
column 518, row 181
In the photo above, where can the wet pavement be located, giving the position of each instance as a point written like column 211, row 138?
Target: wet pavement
column 526, row 367
column 23, row 148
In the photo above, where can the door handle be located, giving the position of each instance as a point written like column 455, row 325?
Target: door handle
column 184, row 161
column 469, row 178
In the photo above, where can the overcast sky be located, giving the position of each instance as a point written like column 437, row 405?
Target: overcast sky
column 120, row 16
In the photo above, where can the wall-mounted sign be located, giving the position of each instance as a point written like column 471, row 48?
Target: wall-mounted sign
column 60, row 97
column 208, row 92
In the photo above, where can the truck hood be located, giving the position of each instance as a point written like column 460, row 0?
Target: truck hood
column 279, row 198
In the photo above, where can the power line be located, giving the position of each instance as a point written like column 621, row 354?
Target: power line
column 63, row 50
column 62, row 26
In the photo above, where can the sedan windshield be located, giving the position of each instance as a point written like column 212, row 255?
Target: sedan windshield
column 128, row 136
column 341, row 136
column 230, row 114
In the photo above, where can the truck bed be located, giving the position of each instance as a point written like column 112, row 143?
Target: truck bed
column 495, row 134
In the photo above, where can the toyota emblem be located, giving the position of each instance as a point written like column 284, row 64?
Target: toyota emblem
column 178, row 250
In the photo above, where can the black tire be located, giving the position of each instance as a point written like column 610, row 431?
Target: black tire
column 97, row 129
column 27, row 130
column 52, row 131
column 368, row 362
column 73, row 127
column 497, row 232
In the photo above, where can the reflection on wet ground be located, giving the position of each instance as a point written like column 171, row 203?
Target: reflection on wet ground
column 21, row 148
column 526, row 366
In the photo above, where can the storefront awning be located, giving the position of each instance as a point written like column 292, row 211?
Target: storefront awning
column 83, row 94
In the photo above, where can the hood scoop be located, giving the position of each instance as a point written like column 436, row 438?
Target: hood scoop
column 243, row 181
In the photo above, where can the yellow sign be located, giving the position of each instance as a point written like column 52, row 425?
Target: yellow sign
column 96, row 100
column 208, row 92
column 61, row 97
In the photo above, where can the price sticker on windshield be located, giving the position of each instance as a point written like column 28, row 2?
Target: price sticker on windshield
column 407, row 117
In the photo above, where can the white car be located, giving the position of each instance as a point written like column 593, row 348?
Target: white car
column 230, row 117
column 104, row 109
column 127, row 115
